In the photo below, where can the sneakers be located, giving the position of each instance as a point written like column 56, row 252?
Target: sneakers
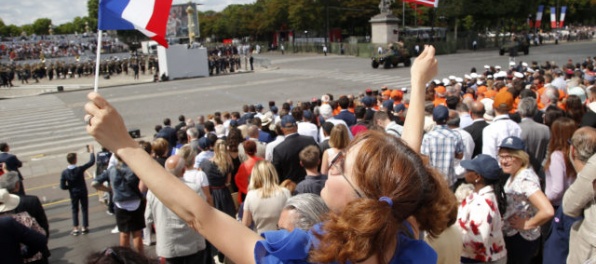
column 115, row 230
column 84, row 231
column 74, row 232
column 109, row 213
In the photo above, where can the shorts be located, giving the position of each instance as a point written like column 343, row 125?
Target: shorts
column 130, row 221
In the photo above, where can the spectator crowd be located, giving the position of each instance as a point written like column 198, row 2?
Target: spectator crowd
column 512, row 148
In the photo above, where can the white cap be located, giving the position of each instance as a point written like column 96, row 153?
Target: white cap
column 524, row 64
column 530, row 70
column 459, row 79
column 479, row 82
column 486, row 67
column 467, row 76
column 498, row 67
column 512, row 63
column 474, row 75
column 489, row 77
column 452, row 77
column 436, row 81
column 518, row 75
column 445, row 81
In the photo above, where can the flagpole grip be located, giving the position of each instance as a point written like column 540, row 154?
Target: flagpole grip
column 97, row 59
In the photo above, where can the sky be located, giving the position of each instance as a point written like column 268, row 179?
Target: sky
column 21, row 12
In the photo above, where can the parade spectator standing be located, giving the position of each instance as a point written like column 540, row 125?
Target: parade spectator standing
column 27, row 203
column 559, row 173
column 305, row 127
column 167, row 132
column 501, row 127
column 324, row 144
column 302, row 211
column 193, row 138
column 483, row 238
column 73, row 180
column 313, row 181
column 579, row 198
column 527, row 206
column 271, row 145
column 182, row 123
column 338, row 141
column 360, row 125
column 12, row 164
column 548, row 98
column 589, row 118
column 175, row 240
column 206, row 148
column 242, row 177
column 13, row 234
column 325, row 50
column 265, row 199
column 129, row 203
column 443, row 145
column 535, row 135
column 253, row 135
column 191, row 175
column 345, row 114
column 454, row 124
column 286, row 155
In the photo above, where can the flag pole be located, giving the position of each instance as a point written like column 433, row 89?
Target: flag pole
column 98, row 53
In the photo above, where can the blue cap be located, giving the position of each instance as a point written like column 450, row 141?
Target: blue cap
column 307, row 114
column 485, row 165
column 440, row 113
column 388, row 104
column 259, row 107
column 234, row 123
column 513, row 143
column 274, row 109
column 399, row 107
column 288, row 121
column 204, row 143
column 368, row 101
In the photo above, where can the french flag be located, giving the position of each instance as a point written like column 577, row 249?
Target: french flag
column 429, row 3
column 148, row 16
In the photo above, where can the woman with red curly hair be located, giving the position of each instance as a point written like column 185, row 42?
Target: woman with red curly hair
column 380, row 192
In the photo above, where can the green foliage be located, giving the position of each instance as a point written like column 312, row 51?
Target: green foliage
column 92, row 9
column 41, row 26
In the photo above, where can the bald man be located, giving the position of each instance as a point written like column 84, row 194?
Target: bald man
column 175, row 240
column 477, row 126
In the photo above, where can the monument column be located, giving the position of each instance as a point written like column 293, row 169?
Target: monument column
column 385, row 26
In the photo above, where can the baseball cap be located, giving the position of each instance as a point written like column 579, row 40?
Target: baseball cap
column 368, row 101
column 440, row 113
column 513, row 142
column 399, row 107
column 485, row 165
column 204, row 143
column 503, row 100
column 307, row 114
column 388, row 104
column 288, row 121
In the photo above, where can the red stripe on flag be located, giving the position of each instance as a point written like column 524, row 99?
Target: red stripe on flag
column 159, row 20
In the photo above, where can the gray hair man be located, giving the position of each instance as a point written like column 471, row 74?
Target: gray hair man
column 535, row 135
column 174, row 238
column 302, row 211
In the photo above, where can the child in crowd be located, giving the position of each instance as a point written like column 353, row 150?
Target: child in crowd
column 314, row 180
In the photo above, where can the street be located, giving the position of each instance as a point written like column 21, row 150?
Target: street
column 42, row 129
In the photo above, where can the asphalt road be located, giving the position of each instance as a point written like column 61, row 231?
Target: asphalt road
column 47, row 126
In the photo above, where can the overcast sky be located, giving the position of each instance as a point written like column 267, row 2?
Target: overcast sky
column 20, row 12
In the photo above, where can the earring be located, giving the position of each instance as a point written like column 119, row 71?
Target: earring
column 476, row 181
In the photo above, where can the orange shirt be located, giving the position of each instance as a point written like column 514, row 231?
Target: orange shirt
column 440, row 101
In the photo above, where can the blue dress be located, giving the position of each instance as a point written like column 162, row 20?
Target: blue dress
column 293, row 248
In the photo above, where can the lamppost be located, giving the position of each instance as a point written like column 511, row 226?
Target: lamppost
column 191, row 25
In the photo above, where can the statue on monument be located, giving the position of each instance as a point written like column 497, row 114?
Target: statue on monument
column 385, row 6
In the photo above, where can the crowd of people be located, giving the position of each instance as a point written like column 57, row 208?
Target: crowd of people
column 496, row 166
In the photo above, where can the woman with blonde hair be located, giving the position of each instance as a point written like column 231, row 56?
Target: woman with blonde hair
column 376, row 211
column 527, row 206
column 339, row 138
column 265, row 199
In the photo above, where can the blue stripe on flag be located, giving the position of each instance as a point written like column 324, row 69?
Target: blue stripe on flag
column 110, row 15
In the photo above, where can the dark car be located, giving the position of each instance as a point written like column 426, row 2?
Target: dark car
column 517, row 44
column 392, row 57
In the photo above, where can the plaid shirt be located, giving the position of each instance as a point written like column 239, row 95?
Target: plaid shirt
column 441, row 145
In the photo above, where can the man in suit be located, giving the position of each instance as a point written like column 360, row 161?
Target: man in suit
column 168, row 133
column 286, row 158
column 344, row 114
column 477, row 126
column 12, row 164
column 535, row 135
column 28, row 203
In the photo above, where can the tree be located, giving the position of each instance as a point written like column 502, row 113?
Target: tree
column 93, row 9
column 41, row 26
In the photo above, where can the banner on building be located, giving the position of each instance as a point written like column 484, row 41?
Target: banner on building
column 539, row 16
column 553, row 17
column 562, row 19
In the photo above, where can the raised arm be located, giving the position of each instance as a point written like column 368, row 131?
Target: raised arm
column 423, row 70
column 107, row 127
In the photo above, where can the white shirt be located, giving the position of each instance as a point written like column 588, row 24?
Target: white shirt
column 468, row 151
column 499, row 129
column 308, row 129
column 197, row 178
column 335, row 121
column 271, row 145
column 464, row 120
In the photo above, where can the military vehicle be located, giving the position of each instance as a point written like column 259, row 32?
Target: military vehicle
column 515, row 45
column 395, row 55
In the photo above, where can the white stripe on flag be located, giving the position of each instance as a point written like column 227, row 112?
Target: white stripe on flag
column 139, row 12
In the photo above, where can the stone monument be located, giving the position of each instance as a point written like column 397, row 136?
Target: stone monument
column 385, row 26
